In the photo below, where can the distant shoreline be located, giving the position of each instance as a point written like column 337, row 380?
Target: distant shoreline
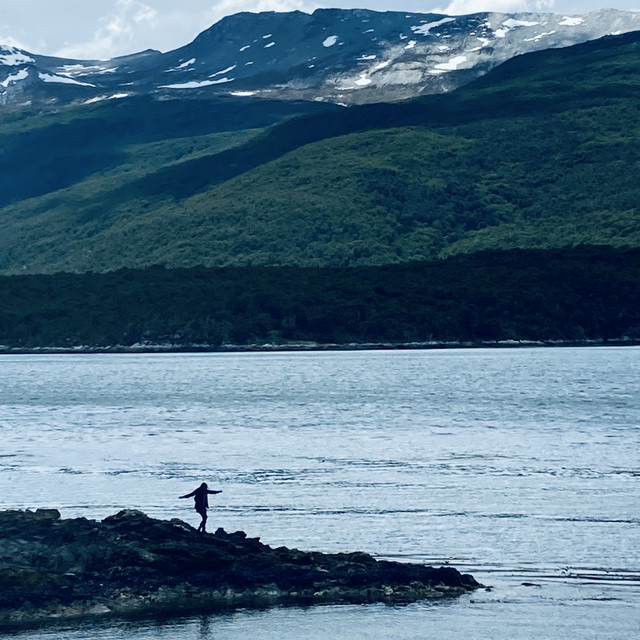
column 268, row 347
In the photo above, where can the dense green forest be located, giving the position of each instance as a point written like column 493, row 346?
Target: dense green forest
column 543, row 153
column 583, row 294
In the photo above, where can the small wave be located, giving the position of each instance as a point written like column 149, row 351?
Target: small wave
column 592, row 519
column 352, row 511
column 425, row 559
column 562, row 572
column 500, row 516
column 622, row 576
column 634, row 473
column 363, row 463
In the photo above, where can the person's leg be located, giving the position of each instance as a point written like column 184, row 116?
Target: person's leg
column 203, row 515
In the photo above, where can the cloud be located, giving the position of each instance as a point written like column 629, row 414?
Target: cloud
column 18, row 38
column 10, row 41
column 461, row 7
column 119, row 32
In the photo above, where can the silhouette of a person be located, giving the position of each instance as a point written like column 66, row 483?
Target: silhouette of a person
column 200, row 496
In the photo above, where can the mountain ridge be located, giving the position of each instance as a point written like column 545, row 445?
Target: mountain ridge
column 333, row 55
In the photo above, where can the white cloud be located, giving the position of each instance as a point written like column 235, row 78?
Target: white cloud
column 142, row 12
column 11, row 36
column 119, row 31
column 461, row 7
column 10, row 41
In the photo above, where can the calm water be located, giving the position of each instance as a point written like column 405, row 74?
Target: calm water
column 517, row 465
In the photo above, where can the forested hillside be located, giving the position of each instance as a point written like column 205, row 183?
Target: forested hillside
column 543, row 152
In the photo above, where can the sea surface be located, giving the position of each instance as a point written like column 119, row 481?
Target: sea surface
column 520, row 466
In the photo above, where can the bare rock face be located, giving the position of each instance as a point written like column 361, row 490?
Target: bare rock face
column 129, row 563
column 339, row 56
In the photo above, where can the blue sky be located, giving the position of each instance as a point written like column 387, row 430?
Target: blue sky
column 106, row 28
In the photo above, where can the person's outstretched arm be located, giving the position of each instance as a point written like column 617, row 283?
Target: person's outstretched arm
column 212, row 491
column 188, row 495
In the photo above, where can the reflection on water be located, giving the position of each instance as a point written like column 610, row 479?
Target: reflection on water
column 519, row 466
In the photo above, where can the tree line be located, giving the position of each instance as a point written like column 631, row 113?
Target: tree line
column 578, row 294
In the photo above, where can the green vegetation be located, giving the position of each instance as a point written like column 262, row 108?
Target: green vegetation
column 544, row 152
column 587, row 293
column 45, row 152
column 505, row 210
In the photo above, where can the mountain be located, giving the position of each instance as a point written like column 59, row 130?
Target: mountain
column 541, row 152
column 340, row 56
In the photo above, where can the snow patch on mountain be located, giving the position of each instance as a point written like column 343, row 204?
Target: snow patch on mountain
column 221, row 73
column 48, row 77
column 197, row 85
column 512, row 22
column 425, row 29
column 571, row 21
column 115, row 96
column 11, row 57
column 22, row 74
column 450, row 65
column 80, row 69
column 540, row 36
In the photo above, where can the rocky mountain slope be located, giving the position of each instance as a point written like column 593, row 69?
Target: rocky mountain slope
column 341, row 56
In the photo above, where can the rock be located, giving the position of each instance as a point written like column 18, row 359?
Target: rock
column 48, row 514
column 52, row 569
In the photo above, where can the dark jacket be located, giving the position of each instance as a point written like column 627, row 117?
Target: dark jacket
column 201, row 497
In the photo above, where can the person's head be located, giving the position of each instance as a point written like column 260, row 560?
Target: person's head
column 203, row 485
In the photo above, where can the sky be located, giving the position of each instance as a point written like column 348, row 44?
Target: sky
column 97, row 29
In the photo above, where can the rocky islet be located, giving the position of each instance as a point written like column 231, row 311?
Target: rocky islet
column 131, row 564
